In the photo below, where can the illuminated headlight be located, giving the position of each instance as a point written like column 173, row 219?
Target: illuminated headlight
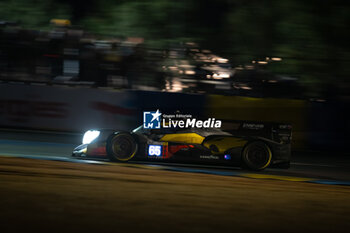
column 90, row 135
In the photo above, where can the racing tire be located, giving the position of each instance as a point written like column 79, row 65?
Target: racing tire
column 256, row 156
column 121, row 147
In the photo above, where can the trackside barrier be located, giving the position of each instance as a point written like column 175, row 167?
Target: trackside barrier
column 65, row 108
column 62, row 108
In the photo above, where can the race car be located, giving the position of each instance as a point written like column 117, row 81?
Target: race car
column 250, row 145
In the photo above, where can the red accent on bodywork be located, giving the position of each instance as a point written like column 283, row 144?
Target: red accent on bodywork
column 165, row 152
column 97, row 151
column 175, row 148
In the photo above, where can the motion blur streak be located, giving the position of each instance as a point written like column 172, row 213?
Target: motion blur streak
column 58, row 194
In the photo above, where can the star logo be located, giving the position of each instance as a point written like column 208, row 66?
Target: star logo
column 151, row 120
column 156, row 115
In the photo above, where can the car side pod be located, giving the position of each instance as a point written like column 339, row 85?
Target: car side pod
column 121, row 146
column 256, row 156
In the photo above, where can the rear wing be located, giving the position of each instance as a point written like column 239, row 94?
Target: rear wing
column 278, row 132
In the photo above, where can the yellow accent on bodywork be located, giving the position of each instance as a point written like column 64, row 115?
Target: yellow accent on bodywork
column 224, row 143
column 183, row 138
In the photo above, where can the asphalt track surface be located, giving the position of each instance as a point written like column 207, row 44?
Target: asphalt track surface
column 43, row 190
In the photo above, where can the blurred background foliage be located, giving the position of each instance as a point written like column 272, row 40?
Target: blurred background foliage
column 312, row 37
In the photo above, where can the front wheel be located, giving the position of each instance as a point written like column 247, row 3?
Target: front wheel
column 121, row 147
column 257, row 156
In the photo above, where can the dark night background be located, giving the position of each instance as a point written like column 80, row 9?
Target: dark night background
column 311, row 36
column 288, row 50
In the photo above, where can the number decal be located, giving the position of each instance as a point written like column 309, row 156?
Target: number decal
column 154, row 150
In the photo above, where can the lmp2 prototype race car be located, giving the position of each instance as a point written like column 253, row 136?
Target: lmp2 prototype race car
column 253, row 146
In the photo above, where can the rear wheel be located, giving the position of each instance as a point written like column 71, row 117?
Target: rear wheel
column 121, row 147
column 257, row 156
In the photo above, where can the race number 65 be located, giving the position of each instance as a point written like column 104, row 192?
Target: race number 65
column 154, row 150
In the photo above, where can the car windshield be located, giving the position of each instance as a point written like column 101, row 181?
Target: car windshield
column 139, row 129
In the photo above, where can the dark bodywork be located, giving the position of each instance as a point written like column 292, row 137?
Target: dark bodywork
column 200, row 146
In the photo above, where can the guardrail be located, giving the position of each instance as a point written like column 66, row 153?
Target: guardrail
column 78, row 108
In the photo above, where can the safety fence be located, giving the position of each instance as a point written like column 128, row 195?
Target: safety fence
column 64, row 108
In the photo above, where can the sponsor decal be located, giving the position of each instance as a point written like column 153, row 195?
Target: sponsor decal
column 285, row 126
column 252, row 126
column 209, row 157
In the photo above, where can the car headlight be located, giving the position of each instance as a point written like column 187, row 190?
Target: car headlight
column 90, row 135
